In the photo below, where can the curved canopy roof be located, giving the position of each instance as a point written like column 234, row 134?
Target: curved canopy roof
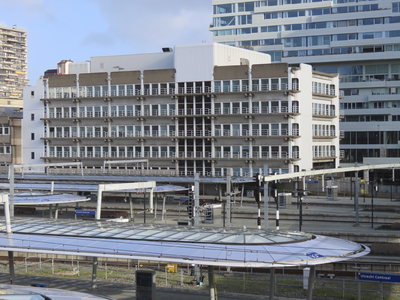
column 48, row 199
column 11, row 291
column 84, row 187
column 205, row 246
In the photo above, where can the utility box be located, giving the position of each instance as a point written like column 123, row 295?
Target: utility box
column 331, row 192
column 172, row 268
column 212, row 212
column 284, row 200
column 145, row 285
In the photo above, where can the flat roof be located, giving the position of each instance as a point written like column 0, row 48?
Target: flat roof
column 85, row 187
column 48, row 199
column 205, row 246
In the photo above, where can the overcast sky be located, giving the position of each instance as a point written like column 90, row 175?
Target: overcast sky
column 80, row 29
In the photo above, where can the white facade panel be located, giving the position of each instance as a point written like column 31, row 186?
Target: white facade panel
column 79, row 67
column 132, row 62
column 194, row 62
column 32, row 149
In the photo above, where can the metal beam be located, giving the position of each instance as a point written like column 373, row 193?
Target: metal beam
column 121, row 187
column 330, row 171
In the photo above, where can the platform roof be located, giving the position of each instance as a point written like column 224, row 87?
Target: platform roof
column 84, row 187
column 48, row 199
column 11, row 291
column 205, row 246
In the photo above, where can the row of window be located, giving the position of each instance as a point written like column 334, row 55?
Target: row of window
column 268, row 84
column 276, row 56
column 371, row 137
column 250, row 5
column 321, row 40
column 262, row 107
column 324, row 151
column 323, row 109
column 370, row 105
column 371, row 118
column 305, row 26
column 267, row 129
column 324, row 130
column 272, row 152
column 247, row 19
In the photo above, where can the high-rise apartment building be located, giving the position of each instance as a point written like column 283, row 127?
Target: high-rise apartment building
column 357, row 39
column 197, row 109
column 13, row 66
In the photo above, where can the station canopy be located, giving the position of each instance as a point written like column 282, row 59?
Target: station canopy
column 48, row 199
column 84, row 187
column 205, row 246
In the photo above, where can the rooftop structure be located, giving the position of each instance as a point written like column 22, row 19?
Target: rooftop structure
column 359, row 40
column 13, row 66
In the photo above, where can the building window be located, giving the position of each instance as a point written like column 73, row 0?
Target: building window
column 396, row 7
column 32, row 155
column 32, row 117
column 32, row 93
column 32, row 136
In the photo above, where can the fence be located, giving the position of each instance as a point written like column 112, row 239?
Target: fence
column 287, row 284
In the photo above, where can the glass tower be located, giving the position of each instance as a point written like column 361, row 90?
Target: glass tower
column 358, row 39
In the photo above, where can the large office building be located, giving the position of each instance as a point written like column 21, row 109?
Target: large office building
column 13, row 66
column 357, row 39
column 193, row 109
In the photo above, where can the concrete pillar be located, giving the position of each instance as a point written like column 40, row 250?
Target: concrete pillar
column 11, row 266
column 56, row 212
column 94, row 273
column 272, row 284
column 131, row 207
column 211, row 286
column 99, row 199
column 311, row 283
column 11, row 175
column 163, row 207
column 151, row 200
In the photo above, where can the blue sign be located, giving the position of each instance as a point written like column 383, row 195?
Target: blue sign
column 183, row 199
column 85, row 212
column 312, row 181
column 379, row 277
column 314, row 255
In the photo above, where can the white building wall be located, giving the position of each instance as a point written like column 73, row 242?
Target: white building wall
column 305, row 118
column 79, row 67
column 132, row 62
column 196, row 62
column 32, row 105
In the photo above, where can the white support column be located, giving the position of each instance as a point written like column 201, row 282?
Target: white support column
column 11, row 178
column 99, row 199
column 311, row 283
column 131, row 208
column 163, row 207
column 4, row 200
column 151, row 200
column 211, row 286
